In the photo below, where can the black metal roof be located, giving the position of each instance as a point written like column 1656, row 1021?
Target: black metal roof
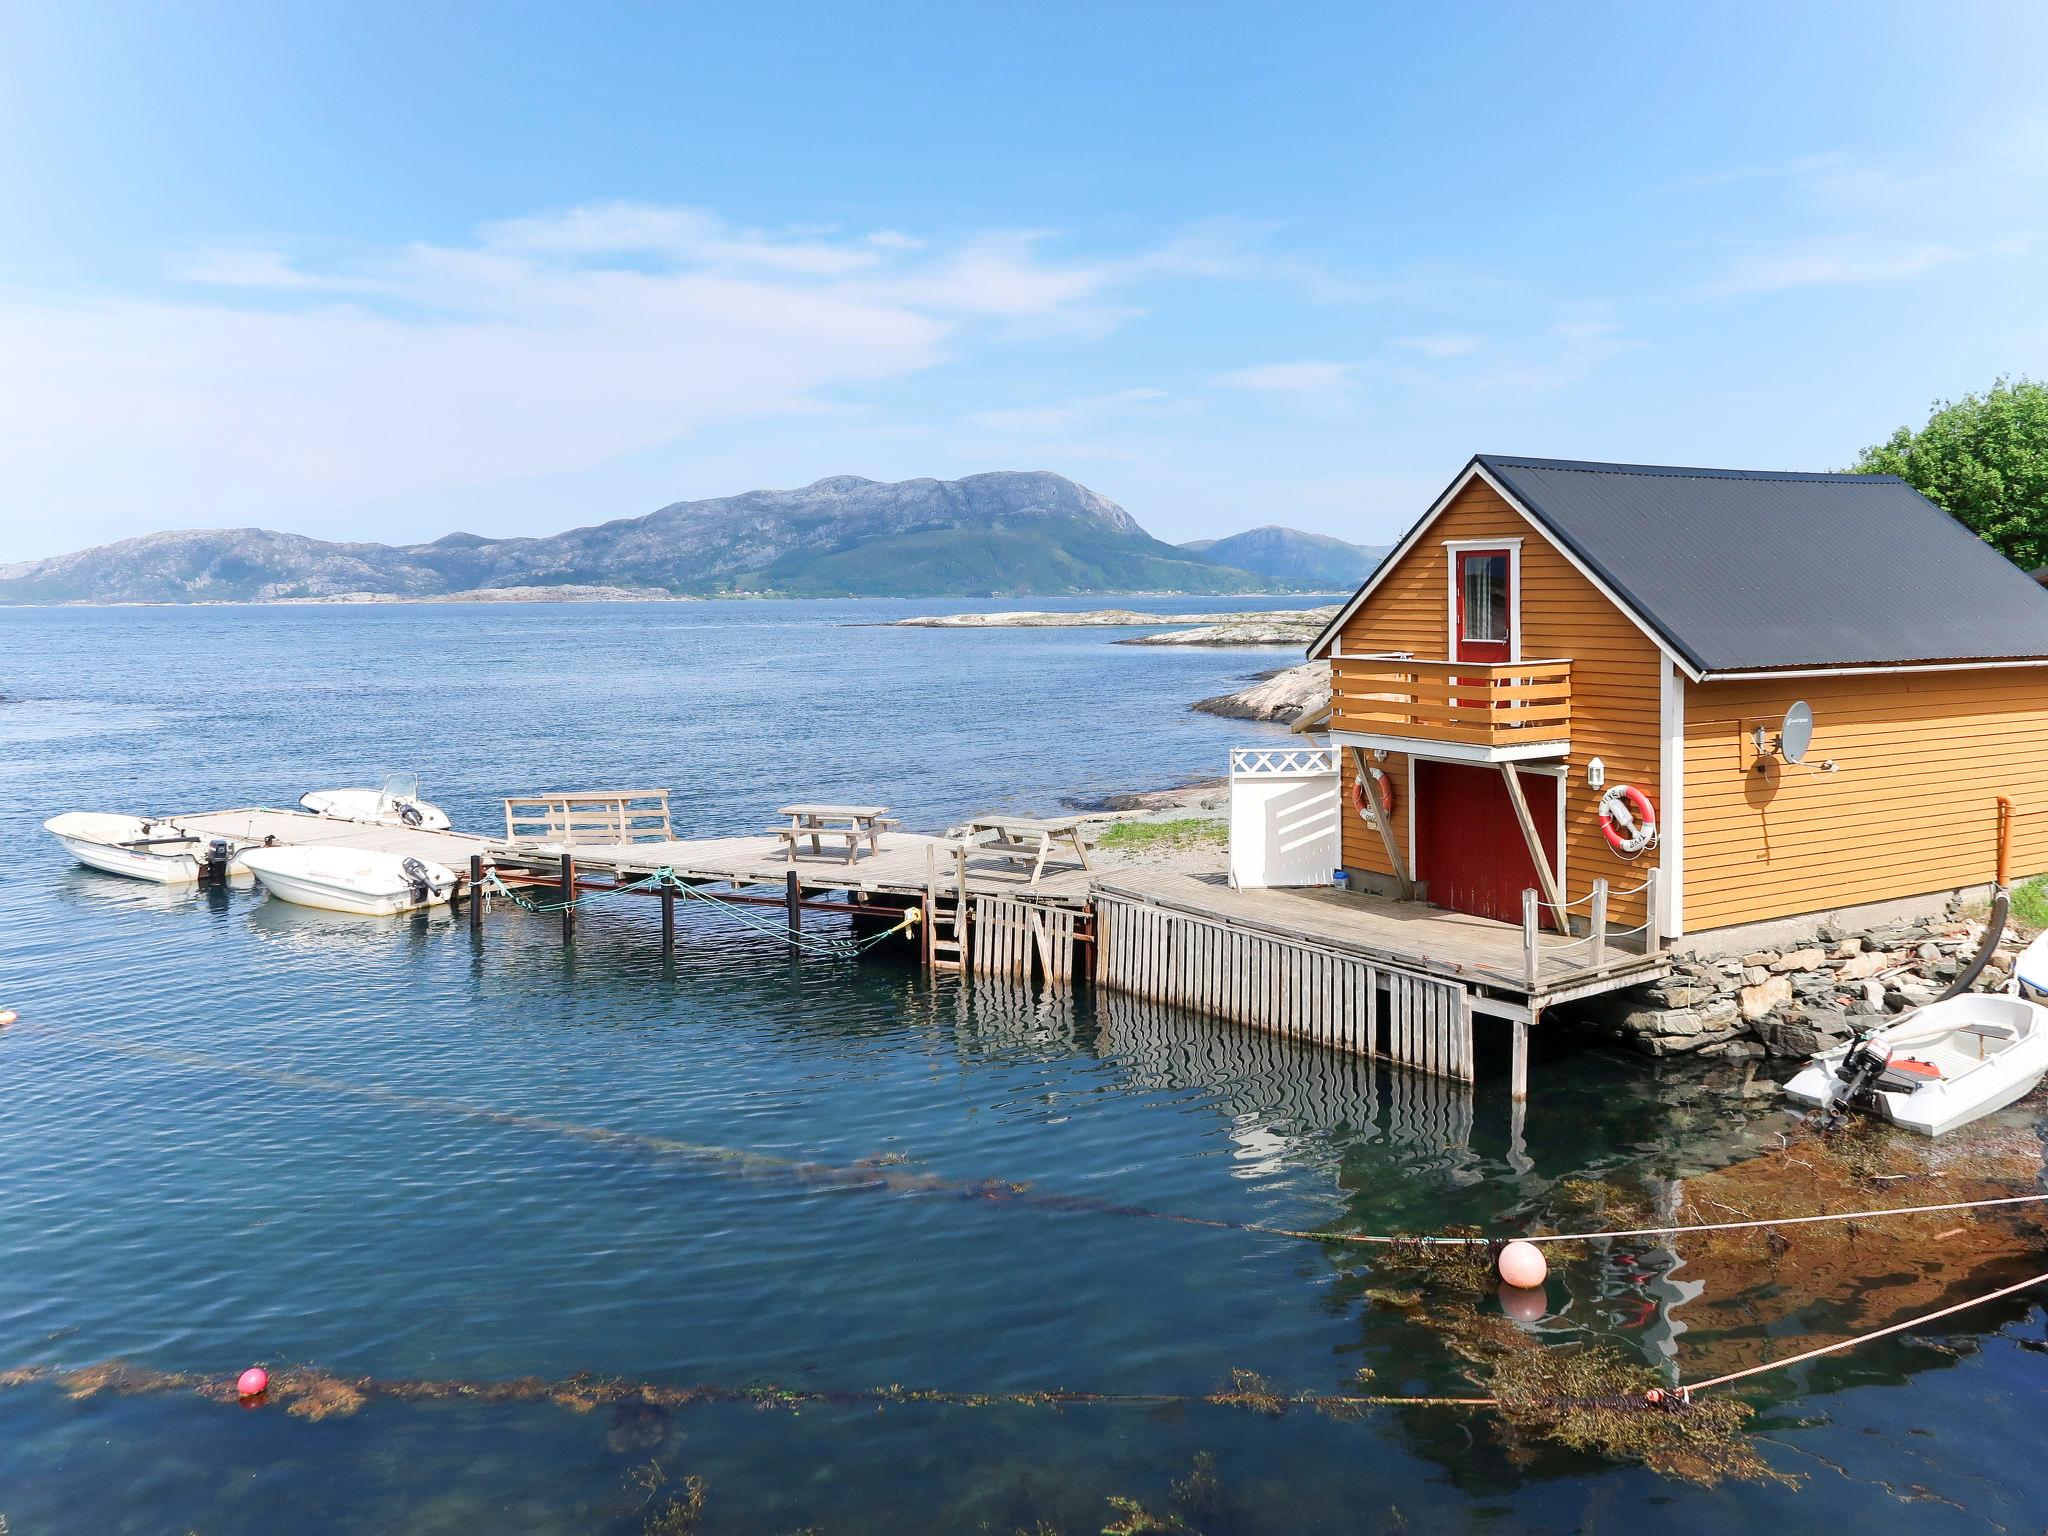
column 1755, row 569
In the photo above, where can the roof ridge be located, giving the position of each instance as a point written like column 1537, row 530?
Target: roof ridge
column 1686, row 471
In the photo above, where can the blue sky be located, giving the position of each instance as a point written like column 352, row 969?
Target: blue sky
column 388, row 271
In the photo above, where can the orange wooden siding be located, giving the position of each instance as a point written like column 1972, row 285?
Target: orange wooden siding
column 1910, row 811
column 1614, row 680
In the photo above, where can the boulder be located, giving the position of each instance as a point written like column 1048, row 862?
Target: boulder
column 1752, row 974
column 1790, row 1037
column 1799, row 960
column 1868, row 963
column 1764, row 997
column 1849, row 948
column 1763, row 957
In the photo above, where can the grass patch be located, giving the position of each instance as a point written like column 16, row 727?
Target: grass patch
column 1182, row 832
column 2030, row 902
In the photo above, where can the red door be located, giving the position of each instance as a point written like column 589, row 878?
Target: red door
column 1468, row 845
column 1485, row 632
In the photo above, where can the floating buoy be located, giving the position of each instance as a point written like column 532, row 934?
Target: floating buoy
column 7, row 1017
column 253, row 1382
column 1522, row 1264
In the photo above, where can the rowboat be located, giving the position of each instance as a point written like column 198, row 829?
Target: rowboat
column 394, row 803
column 358, row 880
column 140, row 847
column 1940, row 1066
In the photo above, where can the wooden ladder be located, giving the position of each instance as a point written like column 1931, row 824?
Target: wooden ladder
column 945, row 923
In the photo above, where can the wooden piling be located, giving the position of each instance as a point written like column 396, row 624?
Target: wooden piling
column 668, row 919
column 476, row 890
column 793, row 899
column 568, row 896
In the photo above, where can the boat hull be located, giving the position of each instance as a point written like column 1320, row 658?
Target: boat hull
column 375, row 807
column 343, row 880
column 100, row 841
column 1940, row 1105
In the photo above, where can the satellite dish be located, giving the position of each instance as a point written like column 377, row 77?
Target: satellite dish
column 1796, row 735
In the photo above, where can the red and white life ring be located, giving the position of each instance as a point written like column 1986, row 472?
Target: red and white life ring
column 1627, row 820
column 1380, row 781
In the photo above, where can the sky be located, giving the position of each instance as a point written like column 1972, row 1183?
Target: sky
column 390, row 271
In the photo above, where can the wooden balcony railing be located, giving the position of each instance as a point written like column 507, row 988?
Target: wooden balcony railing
column 1501, row 706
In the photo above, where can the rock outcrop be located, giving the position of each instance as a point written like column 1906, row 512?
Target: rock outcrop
column 1283, row 697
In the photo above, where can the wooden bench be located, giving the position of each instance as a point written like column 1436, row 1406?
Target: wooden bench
column 589, row 818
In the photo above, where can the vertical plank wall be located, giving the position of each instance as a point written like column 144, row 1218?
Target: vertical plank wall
column 1316, row 996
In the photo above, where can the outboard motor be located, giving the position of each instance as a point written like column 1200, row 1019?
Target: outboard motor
column 213, row 868
column 410, row 814
column 416, row 873
column 1857, row 1076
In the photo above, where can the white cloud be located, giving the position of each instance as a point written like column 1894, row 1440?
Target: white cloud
column 1449, row 344
column 1290, row 378
column 1082, row 412
column 1830, row 261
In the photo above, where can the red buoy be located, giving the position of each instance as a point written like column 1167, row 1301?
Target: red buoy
column 254, row 1382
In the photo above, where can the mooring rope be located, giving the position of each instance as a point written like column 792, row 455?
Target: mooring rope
column 818, row 944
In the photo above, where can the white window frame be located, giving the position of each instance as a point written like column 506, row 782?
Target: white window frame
column 1454, row 548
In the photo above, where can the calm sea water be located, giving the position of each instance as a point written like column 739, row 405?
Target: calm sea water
column 235, row 1131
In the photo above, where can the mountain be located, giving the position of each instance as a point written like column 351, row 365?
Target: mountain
column 1302, row 560
column 1021, row 532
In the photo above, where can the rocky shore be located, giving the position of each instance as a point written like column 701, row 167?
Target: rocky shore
column 1798, row 1001
column 1280, row 626
column 1282, row 697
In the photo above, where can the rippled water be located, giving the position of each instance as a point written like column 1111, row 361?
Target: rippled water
column 237, row 1131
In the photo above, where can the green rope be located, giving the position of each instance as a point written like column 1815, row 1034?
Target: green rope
column 838, row 949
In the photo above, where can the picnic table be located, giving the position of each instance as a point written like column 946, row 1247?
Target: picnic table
column 847, row 824
column 1028, row 839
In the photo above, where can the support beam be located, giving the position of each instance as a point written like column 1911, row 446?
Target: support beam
column 1546, row 877
column 476, row 890
column 1383, row 819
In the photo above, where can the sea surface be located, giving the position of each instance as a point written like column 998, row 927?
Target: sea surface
column 234, row 1132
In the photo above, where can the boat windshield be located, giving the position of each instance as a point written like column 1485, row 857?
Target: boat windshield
column 399, row 786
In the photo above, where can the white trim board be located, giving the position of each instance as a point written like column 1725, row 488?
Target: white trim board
column 1452, row 751
column 1671, row 791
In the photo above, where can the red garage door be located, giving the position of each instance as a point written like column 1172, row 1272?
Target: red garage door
column 1468, row 845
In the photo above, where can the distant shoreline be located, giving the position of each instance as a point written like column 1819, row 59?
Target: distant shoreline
column 488, row 596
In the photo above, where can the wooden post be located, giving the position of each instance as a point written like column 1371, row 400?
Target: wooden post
column 476, row 890
column 1546, row 878
column 1532, row 955
column 668, row 919
column 1382, row 819
column 1597, row 949
column 793, row 899
column 568, row 896
column 1653, row 926
column 1518, row 1065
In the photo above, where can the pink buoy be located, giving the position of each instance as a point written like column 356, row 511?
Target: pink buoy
column 1523, row 1264
column 254, row 1382
column 7, row 1017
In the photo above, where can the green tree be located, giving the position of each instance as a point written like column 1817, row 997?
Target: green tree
column 1984, row 460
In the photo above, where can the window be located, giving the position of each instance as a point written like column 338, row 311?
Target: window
column 1485, row 605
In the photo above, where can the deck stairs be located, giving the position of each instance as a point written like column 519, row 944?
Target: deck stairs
column 945, row 911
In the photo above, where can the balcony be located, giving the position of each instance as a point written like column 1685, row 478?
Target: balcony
column 1483, row 712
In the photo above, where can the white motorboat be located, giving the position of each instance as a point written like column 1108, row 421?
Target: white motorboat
column 2031, row 970
column 1940, row 1066
column 394, row 803
column 358, row 880
column 143, row 848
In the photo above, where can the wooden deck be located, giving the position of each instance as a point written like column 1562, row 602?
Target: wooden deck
column 1475, row 951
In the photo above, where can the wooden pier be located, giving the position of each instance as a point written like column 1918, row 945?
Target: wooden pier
column 1368, row 976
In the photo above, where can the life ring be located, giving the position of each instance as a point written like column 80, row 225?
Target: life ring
column 1627, row 820
column 1386, row 788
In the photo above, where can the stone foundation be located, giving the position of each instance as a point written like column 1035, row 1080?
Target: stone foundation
column 1799, row 1000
